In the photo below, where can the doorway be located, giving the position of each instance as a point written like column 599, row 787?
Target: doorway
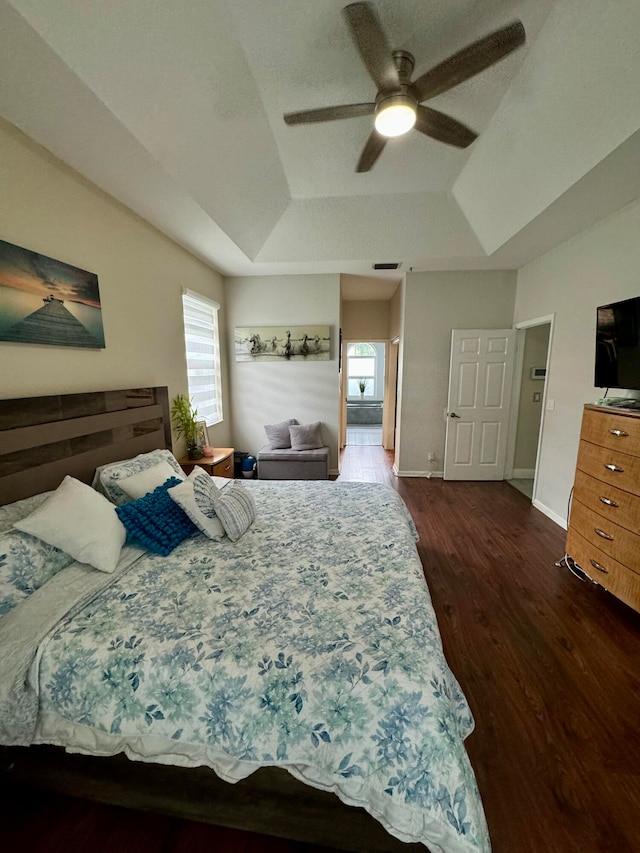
column 365, row 375
column 529, row 403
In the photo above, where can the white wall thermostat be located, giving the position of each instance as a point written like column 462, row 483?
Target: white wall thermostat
column 538, row 372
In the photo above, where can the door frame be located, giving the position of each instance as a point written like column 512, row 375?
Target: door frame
column 389, row 402
column 548, row 319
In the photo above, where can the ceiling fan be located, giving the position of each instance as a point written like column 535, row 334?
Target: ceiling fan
column 398, row 106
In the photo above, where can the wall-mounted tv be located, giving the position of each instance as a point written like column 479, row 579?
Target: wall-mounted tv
column 618, row 345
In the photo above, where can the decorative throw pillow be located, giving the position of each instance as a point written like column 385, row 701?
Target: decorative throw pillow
column 26, row 564
column 306, row 436
column 236, row 510
column 145, row 481
column 156, row 521
column 234, row 506
column 107, row 478
column 205, row 493
column 80, row 522
column 199, row 510
column 278, row 434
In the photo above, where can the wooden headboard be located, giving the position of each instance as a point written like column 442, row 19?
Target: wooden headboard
column 44, row 438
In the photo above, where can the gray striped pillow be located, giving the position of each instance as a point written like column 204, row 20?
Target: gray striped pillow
column 236, row 510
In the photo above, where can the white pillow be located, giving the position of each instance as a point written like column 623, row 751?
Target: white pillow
column 107, row 477
column 205, row 520
column 140, row 484
column 80, row 522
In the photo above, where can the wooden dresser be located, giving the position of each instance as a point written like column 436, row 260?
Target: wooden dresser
column 603, row 537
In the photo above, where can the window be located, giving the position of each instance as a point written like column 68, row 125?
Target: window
column 203, row 355
column 361, row 367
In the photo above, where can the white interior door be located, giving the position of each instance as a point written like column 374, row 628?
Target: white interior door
column 480, row 376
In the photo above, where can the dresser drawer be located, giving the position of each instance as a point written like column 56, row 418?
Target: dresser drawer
column 615, row 431
column 613, row 540
column 224, row 468
column 623, row 508
column 613, row 576
column 594, row 460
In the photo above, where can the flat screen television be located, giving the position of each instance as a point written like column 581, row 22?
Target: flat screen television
column 618, row 345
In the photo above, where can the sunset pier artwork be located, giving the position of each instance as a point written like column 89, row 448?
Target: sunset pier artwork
column 46, row 301
column 53, row 323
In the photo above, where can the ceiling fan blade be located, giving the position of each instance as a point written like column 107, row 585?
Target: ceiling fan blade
column 371, row 41
column 439, row 126
column 371, row 151
column 330, row 113
column 469, row 61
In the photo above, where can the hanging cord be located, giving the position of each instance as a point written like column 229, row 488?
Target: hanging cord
column 569, row 505
column 568, row 561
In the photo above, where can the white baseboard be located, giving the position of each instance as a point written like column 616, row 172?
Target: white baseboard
column 426, row 474
column 559, row 520
column 523, row 474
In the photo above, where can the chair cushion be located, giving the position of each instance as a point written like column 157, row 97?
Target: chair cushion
column 269, row 455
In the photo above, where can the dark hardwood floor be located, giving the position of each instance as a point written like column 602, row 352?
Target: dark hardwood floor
column 548, row 664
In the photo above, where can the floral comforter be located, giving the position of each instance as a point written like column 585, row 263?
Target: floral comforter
column 310, row 644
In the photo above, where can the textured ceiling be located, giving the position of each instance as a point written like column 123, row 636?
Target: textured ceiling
column 176, row 110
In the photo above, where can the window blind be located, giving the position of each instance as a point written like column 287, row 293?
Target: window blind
column 203, row 355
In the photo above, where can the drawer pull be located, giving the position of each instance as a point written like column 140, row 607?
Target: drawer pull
column 619, row 432
column 603, row 534
column 599, row 567
column 609, row 502
column 615, row 468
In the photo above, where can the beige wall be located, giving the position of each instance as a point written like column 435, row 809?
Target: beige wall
column 365, row 321
column 600, row 265
column 434, row 304
column 47, row 207
column 529, row 411
column 268, row 393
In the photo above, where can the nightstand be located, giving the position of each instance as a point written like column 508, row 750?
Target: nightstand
column 219, row 465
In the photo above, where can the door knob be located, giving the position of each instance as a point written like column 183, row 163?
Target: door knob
column 453, row 415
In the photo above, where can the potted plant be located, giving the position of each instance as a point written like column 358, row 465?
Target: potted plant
column 184, row 419
column 362, row 385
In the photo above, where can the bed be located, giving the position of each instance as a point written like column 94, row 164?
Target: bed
column 302, row 663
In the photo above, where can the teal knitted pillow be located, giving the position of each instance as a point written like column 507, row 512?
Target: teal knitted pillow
column 156, row 521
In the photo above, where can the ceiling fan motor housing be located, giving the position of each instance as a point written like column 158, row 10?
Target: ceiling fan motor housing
column 405, row 63
column 395, row 111
column 398, row 104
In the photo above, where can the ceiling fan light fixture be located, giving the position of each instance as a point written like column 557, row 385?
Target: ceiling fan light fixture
column 395, row 115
